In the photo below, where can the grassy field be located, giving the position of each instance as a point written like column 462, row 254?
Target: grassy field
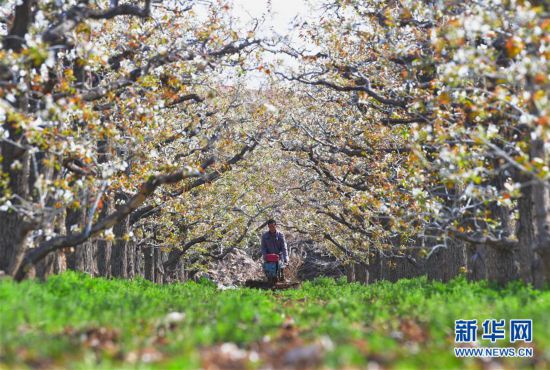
column 73, row 321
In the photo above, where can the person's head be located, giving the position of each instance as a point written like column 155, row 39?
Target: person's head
column 272, row 225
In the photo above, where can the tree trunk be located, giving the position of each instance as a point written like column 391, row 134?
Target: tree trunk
column 56, row 262
column 119, row 253
column 541, row 219
column 385, row 267
column 446, row 263
column 361, row 273
column 138, row 260
column 173, row 272
column 374, row 266
column 149, row 263
column 13, row 241
column 131, row 255
column 181, row 275
column 350, row 272
column 159, row 267
column 104, row 258
column 14, row 230
column 72, row 219
column 503, row 265
column 526, row 234
column 104, row 247
column 475, row 257
column 83, row 258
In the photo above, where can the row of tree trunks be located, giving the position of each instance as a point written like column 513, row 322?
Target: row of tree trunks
column 119, row 258
column 478, row 261
column 500, row 263
column 443, row 264
column 123, row 259
column 384, row 267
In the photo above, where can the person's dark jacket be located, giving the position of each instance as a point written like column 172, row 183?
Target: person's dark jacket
column 275, row 244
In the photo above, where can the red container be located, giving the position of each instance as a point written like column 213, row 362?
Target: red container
column 272, row 258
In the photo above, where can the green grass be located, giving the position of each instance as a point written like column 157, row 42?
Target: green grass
column 409, row 324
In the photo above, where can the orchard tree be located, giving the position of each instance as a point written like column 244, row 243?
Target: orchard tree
column 98, row 107
column 432, row 117
column 491, row 110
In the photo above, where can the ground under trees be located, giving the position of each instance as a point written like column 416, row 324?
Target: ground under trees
column 74, row 320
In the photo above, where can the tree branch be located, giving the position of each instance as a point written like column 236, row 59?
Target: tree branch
column 176, row 255
column 23, row 17
column 55, row 35
column 364, row 86
column 185, row 98
column 328, row 237
column 502, row 243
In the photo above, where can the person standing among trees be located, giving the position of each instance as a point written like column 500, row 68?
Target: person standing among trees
column 273, row 242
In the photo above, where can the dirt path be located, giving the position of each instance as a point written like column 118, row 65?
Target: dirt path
column 263, row 284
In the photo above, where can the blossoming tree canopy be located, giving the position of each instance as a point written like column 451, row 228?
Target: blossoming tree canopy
column 403, row 137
